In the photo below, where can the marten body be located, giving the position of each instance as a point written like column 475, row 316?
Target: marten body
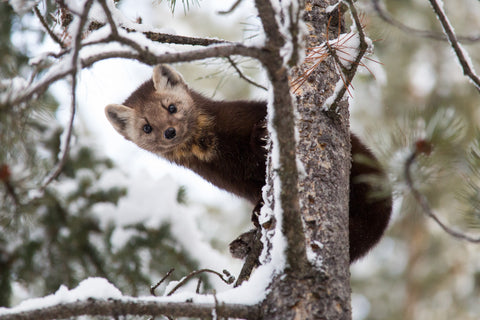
column 224, row 142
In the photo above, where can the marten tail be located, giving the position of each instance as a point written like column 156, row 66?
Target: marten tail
column 369, row 217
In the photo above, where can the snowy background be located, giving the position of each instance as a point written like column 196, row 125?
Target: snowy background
column 417, row 76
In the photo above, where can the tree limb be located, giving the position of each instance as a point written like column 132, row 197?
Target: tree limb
column 146, row 57
column 283, row 122
column 137, row 307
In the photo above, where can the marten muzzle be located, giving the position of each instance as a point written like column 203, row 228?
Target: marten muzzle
column 170, row 133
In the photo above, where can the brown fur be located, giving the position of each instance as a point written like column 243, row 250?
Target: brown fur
column 223, row 141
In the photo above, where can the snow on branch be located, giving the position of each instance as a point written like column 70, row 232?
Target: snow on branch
column 279, row 18
column 98, row 297
column 462, row 55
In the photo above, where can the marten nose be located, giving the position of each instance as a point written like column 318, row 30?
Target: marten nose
column 170, row 133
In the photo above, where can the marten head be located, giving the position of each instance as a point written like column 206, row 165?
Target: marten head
column 161, row 117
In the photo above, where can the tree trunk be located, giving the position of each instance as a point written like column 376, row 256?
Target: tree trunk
column 322, row 290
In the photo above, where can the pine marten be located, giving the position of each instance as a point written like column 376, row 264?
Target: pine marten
column 224, row 142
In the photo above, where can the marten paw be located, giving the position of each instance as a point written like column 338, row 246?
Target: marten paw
column 241, row 247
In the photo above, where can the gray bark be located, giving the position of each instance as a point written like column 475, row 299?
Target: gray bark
column 306, row 291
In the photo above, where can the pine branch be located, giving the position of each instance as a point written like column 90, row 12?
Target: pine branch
column 423, row 202
column 452, row 38
column 136, row 307
column 347, row 74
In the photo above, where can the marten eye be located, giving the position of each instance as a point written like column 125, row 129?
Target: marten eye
column 172, row 108
column 147, row 128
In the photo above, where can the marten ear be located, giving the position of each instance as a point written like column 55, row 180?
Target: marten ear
column 165, row 77
column 119, row 116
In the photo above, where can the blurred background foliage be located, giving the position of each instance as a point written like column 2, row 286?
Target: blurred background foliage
column 418, row 271
column 415, row 91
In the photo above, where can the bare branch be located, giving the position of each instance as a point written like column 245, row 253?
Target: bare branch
column 134, row 306
column 452, row 38
column 153, row 288
column 387, row 17
column 228, row 280
column 423, row 202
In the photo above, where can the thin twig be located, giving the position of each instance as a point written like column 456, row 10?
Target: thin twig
column 74, row 70
column 115, row 36
column 153, row 288
column 232, row 8
column 387, row 17
column 108, row 14
column 228, row 280
column 199, row 283
column 244, row 77
column 452, row 38
column 423, row 202
column 47, row 28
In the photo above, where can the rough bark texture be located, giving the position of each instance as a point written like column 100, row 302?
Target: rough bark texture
column 324, row 149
